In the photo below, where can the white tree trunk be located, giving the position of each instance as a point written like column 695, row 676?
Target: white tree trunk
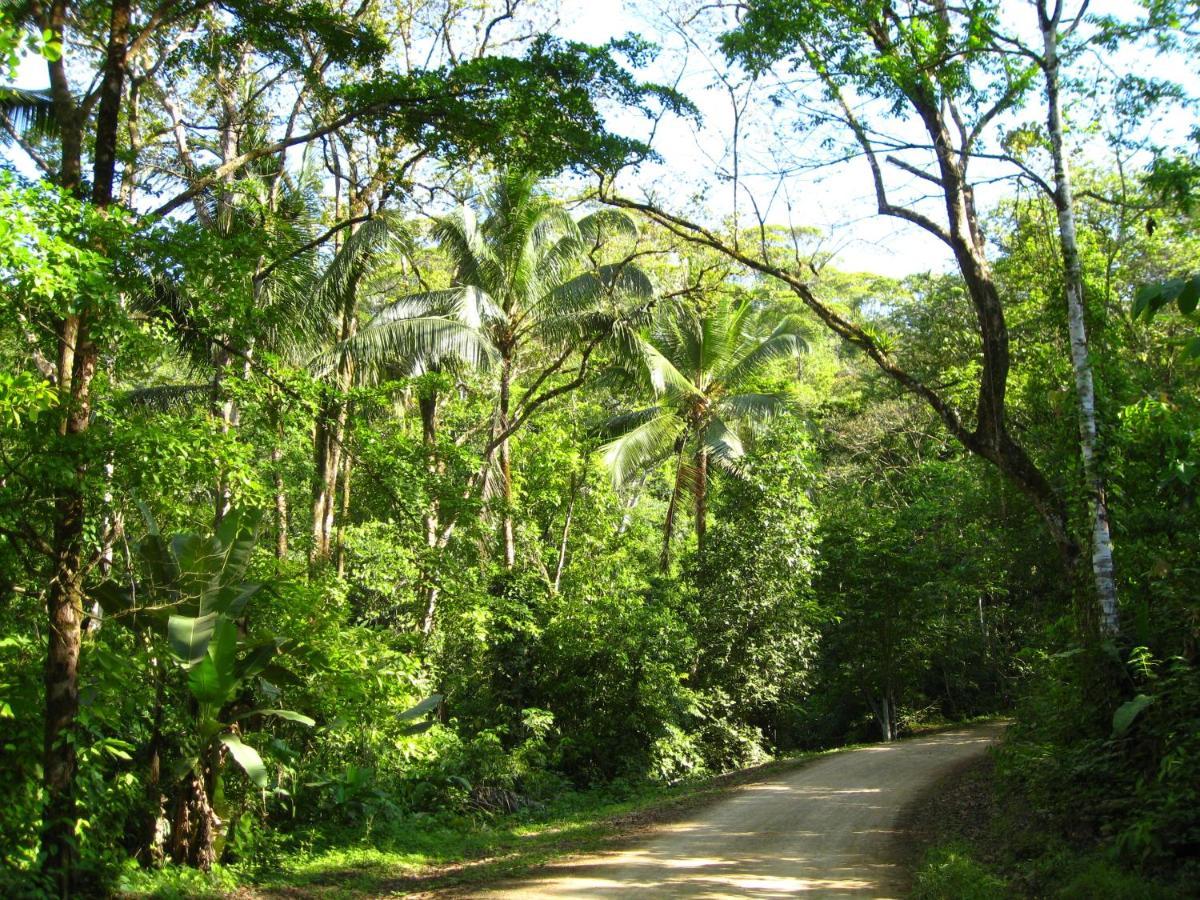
column 1102, row 554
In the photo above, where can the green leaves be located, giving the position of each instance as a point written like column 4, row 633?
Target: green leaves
column 693, row 360
column 539, row 112
column 1127, row 713
column 201, row 578
column 213, row 679
column 188, row 637
column 288, row 714
column 246, row 757
column 428, row 705
column 1184, row 292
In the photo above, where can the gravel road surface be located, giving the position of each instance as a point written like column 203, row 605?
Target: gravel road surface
column 825, row 829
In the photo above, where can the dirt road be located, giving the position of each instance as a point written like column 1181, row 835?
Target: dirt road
column 827, row 829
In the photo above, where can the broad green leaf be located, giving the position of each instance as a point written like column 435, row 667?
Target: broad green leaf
column 199, row 560
column 183, row 767
column 256, row 660
column 281, row 675
column 213, row 679
column 426, row 705
column 188, row 637
column 164, row 572
column 113, row 598
column 223, row 648
column 1128, row 712
column 246, row 757
column 1146, row 294
column 207, row 684
column 1189, row 294
column 290, row 715
column 232, row 598
column 237, row 534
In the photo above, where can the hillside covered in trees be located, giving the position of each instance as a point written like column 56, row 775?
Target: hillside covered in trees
column 417, row 425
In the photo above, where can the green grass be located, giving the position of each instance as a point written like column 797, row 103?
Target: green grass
column 950, row 873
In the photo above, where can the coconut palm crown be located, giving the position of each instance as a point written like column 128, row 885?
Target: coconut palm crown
column 699, row 364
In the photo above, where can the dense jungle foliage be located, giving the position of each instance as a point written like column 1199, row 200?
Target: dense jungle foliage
column 365, row 482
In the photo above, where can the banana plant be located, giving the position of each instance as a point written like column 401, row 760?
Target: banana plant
column 195, row 593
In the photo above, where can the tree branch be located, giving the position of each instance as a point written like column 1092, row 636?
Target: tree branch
column 261, row 276
column 847, row 330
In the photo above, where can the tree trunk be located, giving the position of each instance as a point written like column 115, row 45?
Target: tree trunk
column 222, row 408
column 64, row 604
column 508, row 542
column 340, row 551
column 566, row 532
column 133, row 127
column 701, row 489
column 108, row 112
column 194, row 825
column 152, row 834
column 630, row 503
column 1103, row 572
column 281, row 500
column 664, row 559
column 320, row 492
column 76, row 369
column 328, row 439
column 432, row 519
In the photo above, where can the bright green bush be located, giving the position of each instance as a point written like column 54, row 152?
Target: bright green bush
column 949, row 873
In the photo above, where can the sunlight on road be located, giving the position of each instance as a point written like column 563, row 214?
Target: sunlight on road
column 827, row 829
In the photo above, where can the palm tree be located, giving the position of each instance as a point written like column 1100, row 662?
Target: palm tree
column 517, row 286
column 698, row 364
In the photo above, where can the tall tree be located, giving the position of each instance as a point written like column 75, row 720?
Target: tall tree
column 486, row 104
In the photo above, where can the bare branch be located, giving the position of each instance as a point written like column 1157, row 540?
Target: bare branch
column 913, row 170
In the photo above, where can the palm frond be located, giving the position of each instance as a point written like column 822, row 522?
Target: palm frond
column 756, row 408
column 166, row 397
column 606, row 224
column 27, row 112
column 783, row 343
column 574, row 295
column 664, row 377
column 623, row 423
column 447, row 302
column 464, row 243
column 724, row 446
column 352, row 260
column 407, row 342
column 641, row 447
